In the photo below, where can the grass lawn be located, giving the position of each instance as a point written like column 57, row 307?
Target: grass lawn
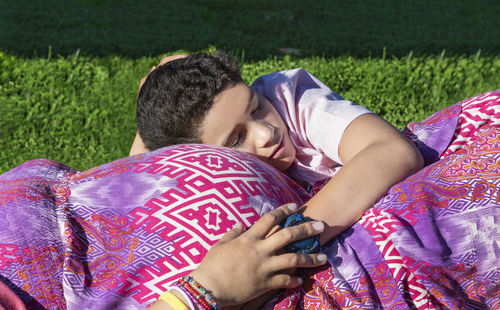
column 69, row 69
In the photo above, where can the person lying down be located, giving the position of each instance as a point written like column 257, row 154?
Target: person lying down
column 348, row 156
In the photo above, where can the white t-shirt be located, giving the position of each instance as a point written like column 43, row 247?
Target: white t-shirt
column 316, row 118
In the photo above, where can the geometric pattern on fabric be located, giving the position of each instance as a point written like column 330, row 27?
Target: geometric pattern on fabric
column 143, row 224
column 116, row 235
column 478, row 111
column 433, row 242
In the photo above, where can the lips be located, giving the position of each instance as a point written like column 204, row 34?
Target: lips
column 279, row 149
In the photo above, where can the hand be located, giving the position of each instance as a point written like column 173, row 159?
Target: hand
column 246, row 264
column 162, row 62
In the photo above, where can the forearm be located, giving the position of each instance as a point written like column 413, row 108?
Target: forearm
column 256, row 303
column 162, row 305
column 360, row 183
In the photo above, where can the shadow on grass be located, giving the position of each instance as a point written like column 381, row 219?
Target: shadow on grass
column 260, row 28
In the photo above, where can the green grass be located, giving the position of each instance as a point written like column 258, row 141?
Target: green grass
column 80, row 110
column 69, row 69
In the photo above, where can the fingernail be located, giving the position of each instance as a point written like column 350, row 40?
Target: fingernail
column 300, row 281
column 321, row 258
column 238, row 225
column 318, row 226
column 292, row 206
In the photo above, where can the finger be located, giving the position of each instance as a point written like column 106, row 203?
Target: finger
column 170, row 58
column 262, row 227
column 290, row 234
column 294, row 260
column 272, row 230
column 233, row 233
column 284, row 281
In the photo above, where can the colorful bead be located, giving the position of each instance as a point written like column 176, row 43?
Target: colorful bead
column 197, row 296
column 203, row 291
column 200, row 294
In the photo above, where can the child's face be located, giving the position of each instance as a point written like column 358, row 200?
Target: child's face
column 242, row 119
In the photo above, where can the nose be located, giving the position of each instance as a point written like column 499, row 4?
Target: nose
column 263, row 134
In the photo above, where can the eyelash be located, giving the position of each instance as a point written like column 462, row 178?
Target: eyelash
column 238, row 141
column 241, row 138
column 258, row 108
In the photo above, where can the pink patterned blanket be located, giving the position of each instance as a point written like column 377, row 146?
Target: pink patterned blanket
column 115, row 236
column 433, row 242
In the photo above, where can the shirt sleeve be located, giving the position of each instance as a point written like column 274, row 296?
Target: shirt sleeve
column 326, row 121
column 316, row 116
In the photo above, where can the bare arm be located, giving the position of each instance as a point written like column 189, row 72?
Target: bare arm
column 376, row 156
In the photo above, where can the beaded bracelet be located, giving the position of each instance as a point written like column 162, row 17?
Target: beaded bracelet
column 201, row 295
column 196, row 295
column 191, row 296
column 173, row 301
column 208, row 296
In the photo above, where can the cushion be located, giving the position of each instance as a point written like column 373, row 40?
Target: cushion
column 117, row 235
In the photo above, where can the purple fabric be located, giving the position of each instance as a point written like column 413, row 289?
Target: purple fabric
column 115, row 236
column 433, row 241
column 433, row 136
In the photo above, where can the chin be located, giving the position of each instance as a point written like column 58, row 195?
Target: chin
column 283, row 165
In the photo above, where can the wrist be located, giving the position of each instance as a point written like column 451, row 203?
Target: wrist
column 212, row 288
column 170, row 300
column 200, row 296
column 183, row 296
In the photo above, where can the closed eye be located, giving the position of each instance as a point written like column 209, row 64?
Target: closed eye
column 238, row 141
column 258, row 107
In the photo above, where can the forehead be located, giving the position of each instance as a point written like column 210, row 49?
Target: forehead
column 227, row 111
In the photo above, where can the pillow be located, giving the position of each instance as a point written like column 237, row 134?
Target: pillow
column 117, row 235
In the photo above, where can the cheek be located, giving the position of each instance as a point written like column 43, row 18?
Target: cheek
column 281, row 124
column 253, row 152
column 291, row 151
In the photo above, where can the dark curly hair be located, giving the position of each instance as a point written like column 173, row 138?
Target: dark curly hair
column 175, row 98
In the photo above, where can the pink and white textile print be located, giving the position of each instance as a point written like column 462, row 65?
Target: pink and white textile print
column 433, row 241
column 478, row 111
column 115, row 236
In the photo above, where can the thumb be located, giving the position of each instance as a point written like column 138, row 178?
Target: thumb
column 233, row 233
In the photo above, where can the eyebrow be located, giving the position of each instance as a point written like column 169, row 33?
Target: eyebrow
column 249, row 105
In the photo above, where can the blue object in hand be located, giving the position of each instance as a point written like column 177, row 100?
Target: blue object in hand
column 304, row 246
